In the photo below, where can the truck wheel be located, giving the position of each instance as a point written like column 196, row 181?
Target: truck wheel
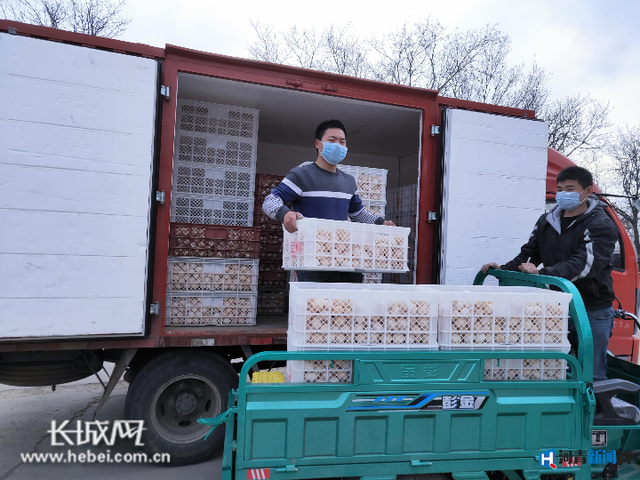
column 170, row 393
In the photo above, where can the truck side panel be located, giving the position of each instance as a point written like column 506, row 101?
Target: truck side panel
column 76, row 162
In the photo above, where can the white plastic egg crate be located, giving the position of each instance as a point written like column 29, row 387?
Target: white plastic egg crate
column 319, row 371
column 345, row 246
column 210, row 210
column 221, row 182
column 372, row 278
column 215, row 119
column 206, row 309
column 215, row 151
column 371, row 182
column 376, row 208
column 361, row 317
column 485, row 317
column 187, row 274
column 525, row 369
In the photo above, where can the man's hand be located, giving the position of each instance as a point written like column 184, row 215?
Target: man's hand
column 389, row 223
column 485, row 268
column 290, row 220
column 528, row 268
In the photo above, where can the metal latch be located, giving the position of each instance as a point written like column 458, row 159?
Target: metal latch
column 420, row 463
column 288, row 468
column 219, row 420
column 435, row 130
column 12, row 30
column 165, row 91
column 160, row 197
column 432, row 216
column 154, row 308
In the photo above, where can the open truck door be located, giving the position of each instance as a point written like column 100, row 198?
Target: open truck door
column 77, row 134
column 493, row 184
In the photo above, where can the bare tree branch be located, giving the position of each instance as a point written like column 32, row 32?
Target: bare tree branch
column 344, row 53
column 466, row 64
column 103, row 18
column 626, row 154
column 267, row 47
column 577, row 123
column 304, row 46
column 46, row 13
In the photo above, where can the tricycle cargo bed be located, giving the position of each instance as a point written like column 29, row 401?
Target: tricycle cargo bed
column 408, row 413
column 423, row 412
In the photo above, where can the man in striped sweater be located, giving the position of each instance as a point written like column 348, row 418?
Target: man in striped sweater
column 321, row 190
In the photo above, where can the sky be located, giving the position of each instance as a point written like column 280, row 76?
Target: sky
column 588, row 46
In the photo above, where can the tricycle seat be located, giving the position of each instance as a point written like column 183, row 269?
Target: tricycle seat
column 611, row 410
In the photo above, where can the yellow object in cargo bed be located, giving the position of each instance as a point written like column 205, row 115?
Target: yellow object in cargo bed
column 267, row 377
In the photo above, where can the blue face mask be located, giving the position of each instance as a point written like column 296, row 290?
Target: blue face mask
column 569, row 200
column 333, row 153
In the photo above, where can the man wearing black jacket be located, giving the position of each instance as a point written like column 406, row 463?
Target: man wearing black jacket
column 575, row 241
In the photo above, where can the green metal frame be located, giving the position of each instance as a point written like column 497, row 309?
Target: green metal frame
column 302, row 431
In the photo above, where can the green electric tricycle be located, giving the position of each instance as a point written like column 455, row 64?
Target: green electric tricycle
column 391, row 422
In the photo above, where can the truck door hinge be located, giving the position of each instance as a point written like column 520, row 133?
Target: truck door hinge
column 154, row 308
column 435, row 130
column 432, row 216
column 165, row 91
column 160, row 197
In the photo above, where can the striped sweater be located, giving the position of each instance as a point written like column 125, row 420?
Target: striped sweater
column 318, row 193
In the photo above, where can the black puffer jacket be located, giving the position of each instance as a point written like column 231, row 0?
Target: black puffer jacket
column 582, row 253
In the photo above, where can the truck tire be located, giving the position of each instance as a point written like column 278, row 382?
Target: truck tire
column 40, row 374
column 170, row 393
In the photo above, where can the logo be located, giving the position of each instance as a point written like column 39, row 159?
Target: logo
column 570, row 458
column 416, row 402
column 296, row 248
column 598, row 438
column 547, row 459
column 96, row 432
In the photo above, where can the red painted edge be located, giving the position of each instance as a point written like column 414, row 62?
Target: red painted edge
column 56, row 35
column 485, row 107
column 333, row 79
